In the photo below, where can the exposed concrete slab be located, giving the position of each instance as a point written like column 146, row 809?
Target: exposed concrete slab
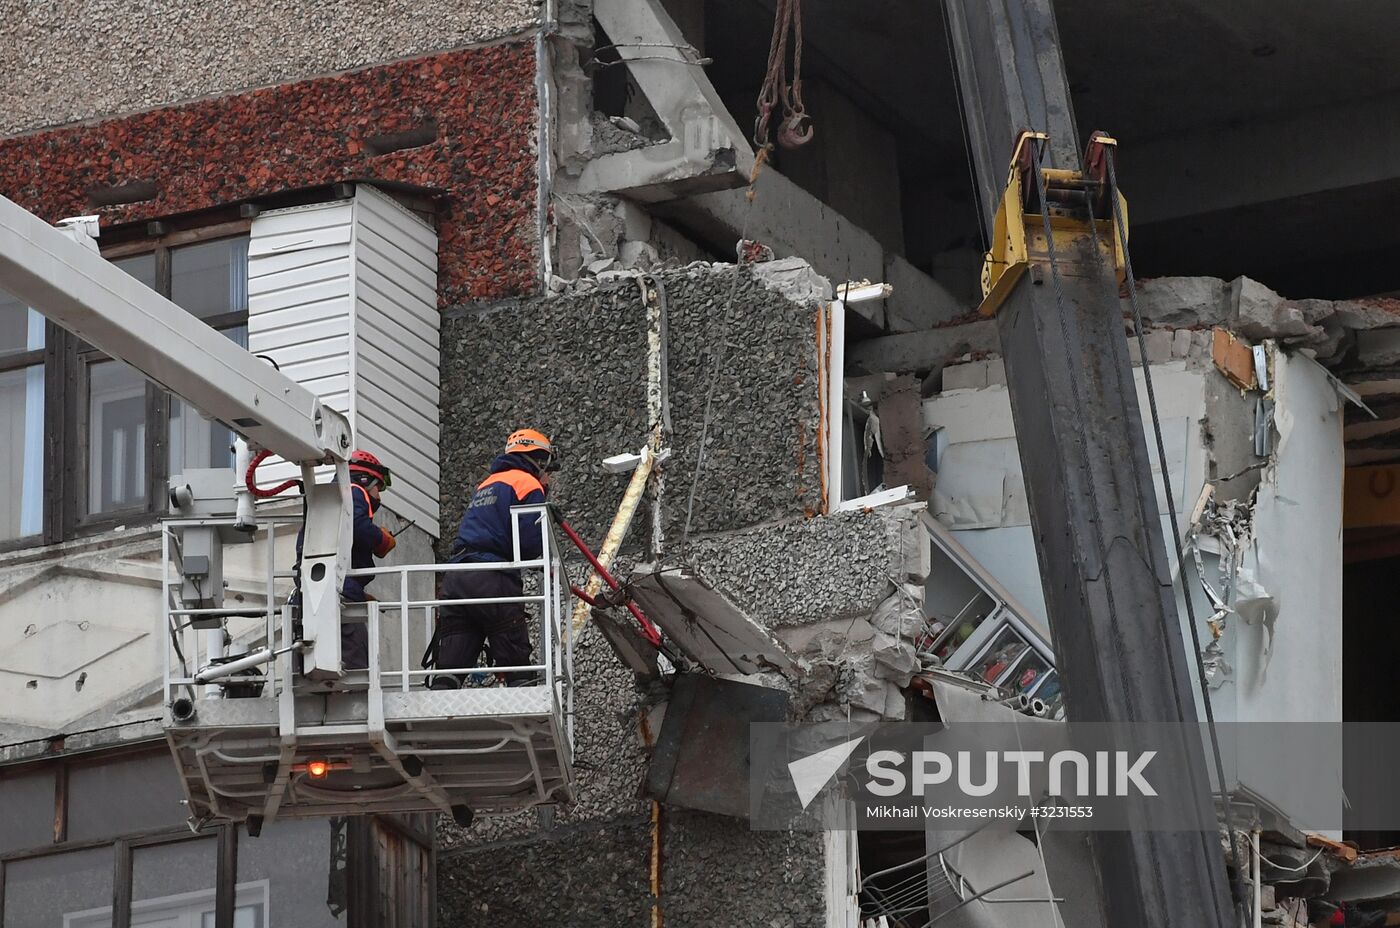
column 792, row 222
column 795, row 279
column 918, row 301
column 1308, row 164
column 1378, row 347
column 707, row 150
column 789, row 220
column 1259, row 312
column 810, row 570
column 1183, row 301
column 922, row 352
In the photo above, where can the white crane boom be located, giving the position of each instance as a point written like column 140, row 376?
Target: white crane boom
column 64, row 277
column 73, row 286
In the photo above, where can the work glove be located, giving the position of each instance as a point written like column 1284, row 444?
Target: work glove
column 386, row 544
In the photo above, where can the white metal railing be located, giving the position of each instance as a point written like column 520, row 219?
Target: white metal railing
column 189, row 657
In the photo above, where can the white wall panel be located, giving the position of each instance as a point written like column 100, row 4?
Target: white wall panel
column 343, row 296
column 396, row 350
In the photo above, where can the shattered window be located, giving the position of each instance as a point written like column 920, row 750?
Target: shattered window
column 995, row 663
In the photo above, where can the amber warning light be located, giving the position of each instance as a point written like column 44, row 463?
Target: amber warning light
column 317, row 769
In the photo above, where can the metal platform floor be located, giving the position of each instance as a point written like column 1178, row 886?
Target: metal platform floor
column 488, row 749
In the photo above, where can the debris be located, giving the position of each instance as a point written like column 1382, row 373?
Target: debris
column 704, row 624
column 1346, row 851
column 1234, row 359
column 701, row 758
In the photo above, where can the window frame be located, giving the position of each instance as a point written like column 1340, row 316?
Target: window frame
column 18, row 361
column 364, row 864
column 67, row 366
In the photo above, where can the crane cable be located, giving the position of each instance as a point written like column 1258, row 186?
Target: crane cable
column 1084, row 457
column 1177, row 539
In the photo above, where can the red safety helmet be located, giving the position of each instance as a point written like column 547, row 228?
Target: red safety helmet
column 362, row 462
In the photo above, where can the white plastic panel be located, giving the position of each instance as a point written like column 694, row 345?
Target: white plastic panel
column 343, row 296
column 300, row 303
column 397, row 350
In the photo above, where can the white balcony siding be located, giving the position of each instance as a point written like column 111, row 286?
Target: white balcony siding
column 343, row 296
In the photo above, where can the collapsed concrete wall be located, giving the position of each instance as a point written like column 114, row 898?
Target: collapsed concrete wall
column 575, row 365
column 1256, row 471
column 1346, row 334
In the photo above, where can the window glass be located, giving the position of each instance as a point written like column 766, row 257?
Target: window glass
column 305, row 868
column 26, row 809
column 244, row 916
column 44, row 892
column 124, row 795
column 162, row 874
column 1026, row 674
column 142, row 267
column 21, row 328
column 22, row 458
column 195, row 440
column 1000, row 656
column 116, row 437
column 210, row 278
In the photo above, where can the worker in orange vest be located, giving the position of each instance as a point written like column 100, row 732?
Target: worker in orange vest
column 519, row 477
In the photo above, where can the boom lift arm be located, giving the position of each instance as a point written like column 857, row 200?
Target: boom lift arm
column 59, row 272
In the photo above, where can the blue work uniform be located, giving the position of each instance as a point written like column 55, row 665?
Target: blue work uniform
column 486, row 536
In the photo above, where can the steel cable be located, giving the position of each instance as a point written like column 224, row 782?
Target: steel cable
column 1131, row 281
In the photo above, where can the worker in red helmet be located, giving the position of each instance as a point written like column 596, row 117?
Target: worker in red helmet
column 519, row 477
column 368, row 478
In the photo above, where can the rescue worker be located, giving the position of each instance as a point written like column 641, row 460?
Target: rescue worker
column 519, row 477
column 368, row 478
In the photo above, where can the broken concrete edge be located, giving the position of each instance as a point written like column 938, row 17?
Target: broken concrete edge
column 841, row 594
column 20, row 743
column 1342, row 334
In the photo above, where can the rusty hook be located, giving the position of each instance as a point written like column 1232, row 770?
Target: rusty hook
column 796, row 130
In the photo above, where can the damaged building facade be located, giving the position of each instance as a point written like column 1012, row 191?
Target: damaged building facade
column 453, row 220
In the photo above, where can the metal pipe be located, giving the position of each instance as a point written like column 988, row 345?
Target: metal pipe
column 1259, row 888
column 214, row 650
column 245, row 518
column 648, row 628
column 973, row 898
column 209, row 674
column 910, row 863
column 535, row 564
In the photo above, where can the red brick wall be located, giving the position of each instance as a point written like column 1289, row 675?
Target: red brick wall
column 310, row 133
